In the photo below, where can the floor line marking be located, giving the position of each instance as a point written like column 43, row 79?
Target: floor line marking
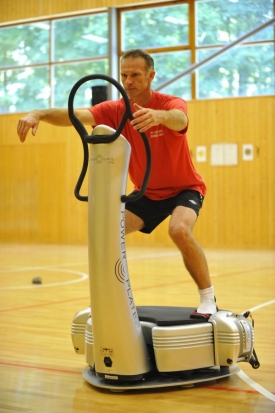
column 40, row 305
column 258, row 307
column 247, row 379
column 38, row 367
column 256, row 386
column 221, row 388
column 39, row 267
column 260, row 389
column 83, row 276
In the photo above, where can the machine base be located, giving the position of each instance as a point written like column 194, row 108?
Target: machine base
column 158, row 380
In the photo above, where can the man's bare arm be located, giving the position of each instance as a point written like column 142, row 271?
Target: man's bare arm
column 145, row 118
column 57, row 117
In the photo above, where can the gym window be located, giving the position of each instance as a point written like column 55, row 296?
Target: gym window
column 41, row 61
column 183, row 34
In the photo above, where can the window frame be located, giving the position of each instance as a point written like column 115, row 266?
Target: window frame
column 116, row 45
column 51, row 63
column 192, row 46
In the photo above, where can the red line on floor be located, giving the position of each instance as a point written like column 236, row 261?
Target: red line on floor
column 51, row 369
column 188, row 279
column 232, row 389
column 26, row 366
column 45, row 304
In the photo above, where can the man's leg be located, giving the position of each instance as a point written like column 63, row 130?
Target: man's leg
column 180, row 230
column 132, row 222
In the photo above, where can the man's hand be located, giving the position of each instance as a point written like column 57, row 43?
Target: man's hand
column 27, row 122
column 145, row 118
column 54, row 116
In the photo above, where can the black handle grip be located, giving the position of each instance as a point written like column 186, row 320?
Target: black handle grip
column 86, row 138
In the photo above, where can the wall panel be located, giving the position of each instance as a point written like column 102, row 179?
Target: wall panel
column 15, row 10
column 37, row 180
column 239, row 207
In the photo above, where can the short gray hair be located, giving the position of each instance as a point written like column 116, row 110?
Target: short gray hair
column 134, row 53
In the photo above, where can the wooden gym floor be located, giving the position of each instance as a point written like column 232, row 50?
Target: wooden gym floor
column 40, row 371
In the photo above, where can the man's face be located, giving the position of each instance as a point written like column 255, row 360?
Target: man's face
column 136, row 77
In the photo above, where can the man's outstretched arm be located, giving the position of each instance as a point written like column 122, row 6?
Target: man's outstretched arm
column 57, row 117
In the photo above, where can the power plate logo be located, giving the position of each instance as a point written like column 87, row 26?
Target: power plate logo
column 121, row 271
column 100, row 159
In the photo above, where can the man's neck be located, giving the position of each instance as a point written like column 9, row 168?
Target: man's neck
column 143, row 100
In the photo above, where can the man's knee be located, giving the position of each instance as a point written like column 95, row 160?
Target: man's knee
column 180, row 233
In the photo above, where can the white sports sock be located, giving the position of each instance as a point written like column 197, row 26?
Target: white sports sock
column 207, row 301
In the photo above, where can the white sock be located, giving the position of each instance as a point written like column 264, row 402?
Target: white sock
column 207, row 301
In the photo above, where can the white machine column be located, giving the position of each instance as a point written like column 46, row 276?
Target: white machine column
column 119, row 346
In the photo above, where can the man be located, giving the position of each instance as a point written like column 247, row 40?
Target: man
column 174, row 187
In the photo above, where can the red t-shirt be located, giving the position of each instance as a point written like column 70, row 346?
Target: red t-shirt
column 172, row 168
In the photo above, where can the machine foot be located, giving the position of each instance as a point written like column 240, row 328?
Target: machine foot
column 158, row 380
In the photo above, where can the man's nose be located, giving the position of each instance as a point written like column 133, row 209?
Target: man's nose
column 128, row 80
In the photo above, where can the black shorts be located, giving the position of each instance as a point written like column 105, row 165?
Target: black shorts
column 154, row 212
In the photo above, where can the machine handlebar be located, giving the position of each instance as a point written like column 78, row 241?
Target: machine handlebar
column 94, row 139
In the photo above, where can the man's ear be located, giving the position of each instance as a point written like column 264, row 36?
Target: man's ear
column 152, row 75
